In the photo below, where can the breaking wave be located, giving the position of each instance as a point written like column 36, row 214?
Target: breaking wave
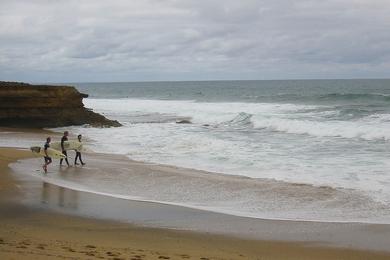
column 242, row 120
column 365, row 129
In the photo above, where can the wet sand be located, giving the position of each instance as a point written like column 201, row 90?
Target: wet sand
column 42, row 221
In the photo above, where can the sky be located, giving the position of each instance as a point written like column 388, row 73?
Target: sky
column 153, row 40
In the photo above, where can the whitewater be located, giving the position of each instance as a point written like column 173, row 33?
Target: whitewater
column 266, row 149
column 284, row 142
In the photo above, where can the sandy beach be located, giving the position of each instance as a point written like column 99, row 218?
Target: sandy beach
column 195, row 130
column 40, row 220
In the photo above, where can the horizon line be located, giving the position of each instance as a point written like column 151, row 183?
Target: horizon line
column 210, row 80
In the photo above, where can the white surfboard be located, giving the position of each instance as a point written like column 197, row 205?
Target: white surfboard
column 40, row 151
column 68, row 145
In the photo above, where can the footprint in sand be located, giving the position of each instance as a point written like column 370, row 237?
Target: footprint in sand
column 90, row 246
column 2, row 241
column 163, row 257
column 90, row 253
column 26, row 242
column 112, row 253
column 41, row 246
column 69, row 249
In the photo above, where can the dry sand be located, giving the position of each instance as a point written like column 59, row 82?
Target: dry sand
column 32, row 233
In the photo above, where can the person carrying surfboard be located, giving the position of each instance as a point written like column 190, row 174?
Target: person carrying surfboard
column 47, row 157
column 78, row 152
column 63, row 139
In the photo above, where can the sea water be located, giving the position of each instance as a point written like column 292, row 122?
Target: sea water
column 312, row 134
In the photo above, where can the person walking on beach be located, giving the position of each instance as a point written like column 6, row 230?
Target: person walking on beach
column 63, row 139
column 78, row 152
column 46, row 157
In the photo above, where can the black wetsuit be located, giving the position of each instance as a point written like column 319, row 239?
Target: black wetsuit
column 78, row 155
column 47, row 158
column 63, row 139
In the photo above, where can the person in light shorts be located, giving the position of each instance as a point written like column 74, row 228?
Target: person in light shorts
column 46, row 157
column 78, row 153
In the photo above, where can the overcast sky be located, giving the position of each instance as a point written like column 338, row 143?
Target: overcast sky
column 140, row 40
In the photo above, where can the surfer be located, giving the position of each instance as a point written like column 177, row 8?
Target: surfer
column 46, row 157
column 78, row 153
column 63, row 139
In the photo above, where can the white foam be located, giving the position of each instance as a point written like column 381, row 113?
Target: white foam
column 268, row 201
column 293, row 143
column 202, row 113
column 373, row 129
column 277, row 117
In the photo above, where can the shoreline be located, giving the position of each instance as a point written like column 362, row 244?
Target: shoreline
column 45, row 192
column 269, row 239
column 247, row 248
column 268, row 198
column 113, row 160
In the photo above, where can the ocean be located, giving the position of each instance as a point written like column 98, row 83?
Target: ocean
column 321, row 147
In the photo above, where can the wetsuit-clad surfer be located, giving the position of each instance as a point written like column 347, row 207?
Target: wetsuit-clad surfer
column 46, row 157
column 63, row 139
column 78, row 153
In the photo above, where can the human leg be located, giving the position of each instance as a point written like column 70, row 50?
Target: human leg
column 77, row 156
column 66, row 158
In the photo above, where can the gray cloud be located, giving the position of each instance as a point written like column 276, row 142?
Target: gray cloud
column 42, row 40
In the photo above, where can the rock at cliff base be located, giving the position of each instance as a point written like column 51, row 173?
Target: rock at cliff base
column 38, row 106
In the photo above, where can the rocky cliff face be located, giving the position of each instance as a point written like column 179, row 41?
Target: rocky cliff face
column 37, row 106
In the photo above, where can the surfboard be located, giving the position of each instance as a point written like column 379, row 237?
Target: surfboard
column 55, row 154
column 68, row 145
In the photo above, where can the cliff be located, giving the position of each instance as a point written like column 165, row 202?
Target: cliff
column 38, row 106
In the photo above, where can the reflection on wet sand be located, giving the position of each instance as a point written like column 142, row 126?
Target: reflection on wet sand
column 41, row 194
column 59, row 196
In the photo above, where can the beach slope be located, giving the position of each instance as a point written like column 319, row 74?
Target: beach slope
column 33, row 233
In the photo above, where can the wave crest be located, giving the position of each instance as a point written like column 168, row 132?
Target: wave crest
column 351, row 96
column 239, row 121
column 344, row 129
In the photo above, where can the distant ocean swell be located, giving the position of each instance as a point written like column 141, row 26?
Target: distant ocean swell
column 317, row 98
column 347, row 96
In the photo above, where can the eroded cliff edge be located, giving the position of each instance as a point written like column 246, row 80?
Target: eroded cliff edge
column 38, row 106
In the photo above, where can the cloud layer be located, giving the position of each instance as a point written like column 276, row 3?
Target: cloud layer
column 89, row 40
